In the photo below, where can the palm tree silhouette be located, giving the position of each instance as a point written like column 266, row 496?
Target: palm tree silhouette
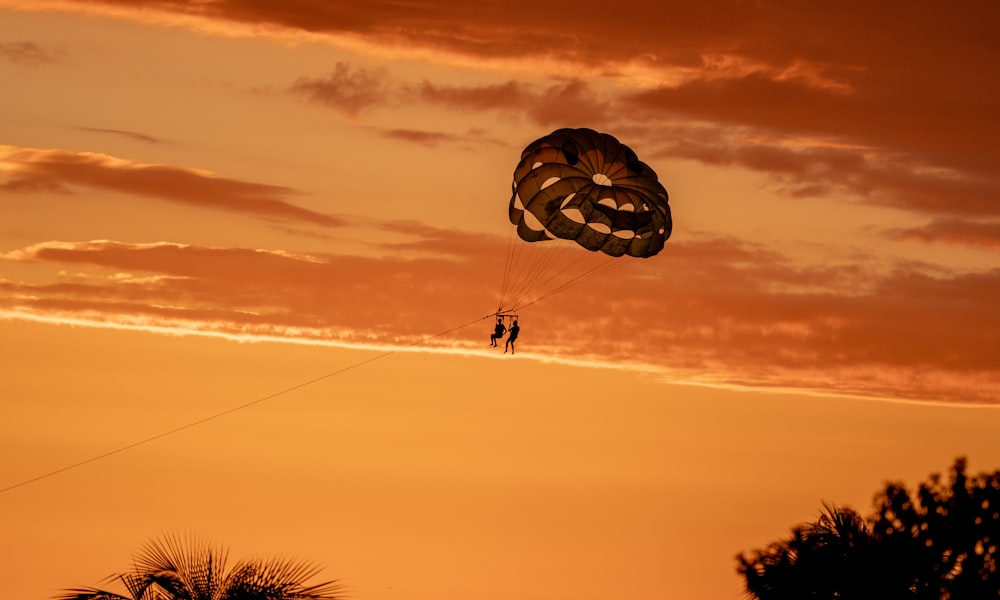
column 820, row 560
column 173, row 569
column 943, row 542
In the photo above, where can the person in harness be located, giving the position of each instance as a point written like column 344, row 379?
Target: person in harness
column 498, row 332
column 514, row 330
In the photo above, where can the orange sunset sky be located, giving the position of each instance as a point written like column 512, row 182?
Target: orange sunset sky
column 289, row 218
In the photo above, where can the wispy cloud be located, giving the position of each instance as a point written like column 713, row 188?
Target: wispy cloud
column 433, row 138
column 730, row 38
column 354, row 91
column 806, row 167
column 888, row 142
column 35, row 169
column 28, row 53
column 135, row 135
column 561, row 102
column 714, row 310
column 504, row 96
column 426, row 138
column 657, row 35
column 953, row 231
column 351, row 91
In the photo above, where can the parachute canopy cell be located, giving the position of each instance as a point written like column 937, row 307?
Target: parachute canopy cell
column 586, row 186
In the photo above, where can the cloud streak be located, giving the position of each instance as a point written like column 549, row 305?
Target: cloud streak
column 31, row 169
column 351, row 91
column 715, row 311
column 27, row 53
column 984, row 235
column 355, row 91
column 134, row 135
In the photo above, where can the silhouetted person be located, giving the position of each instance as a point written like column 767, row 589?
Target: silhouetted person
column 514, row 330
column 498, row 332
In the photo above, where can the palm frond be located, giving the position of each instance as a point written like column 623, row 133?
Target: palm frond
column 175, row 568
column 280, row 580
column 137, row 586
column 90, row 594
column 186, row 569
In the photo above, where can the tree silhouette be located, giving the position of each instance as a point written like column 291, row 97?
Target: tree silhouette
column 939, row 543
column 172, row 569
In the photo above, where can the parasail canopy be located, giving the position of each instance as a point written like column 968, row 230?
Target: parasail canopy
column 586, row 186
